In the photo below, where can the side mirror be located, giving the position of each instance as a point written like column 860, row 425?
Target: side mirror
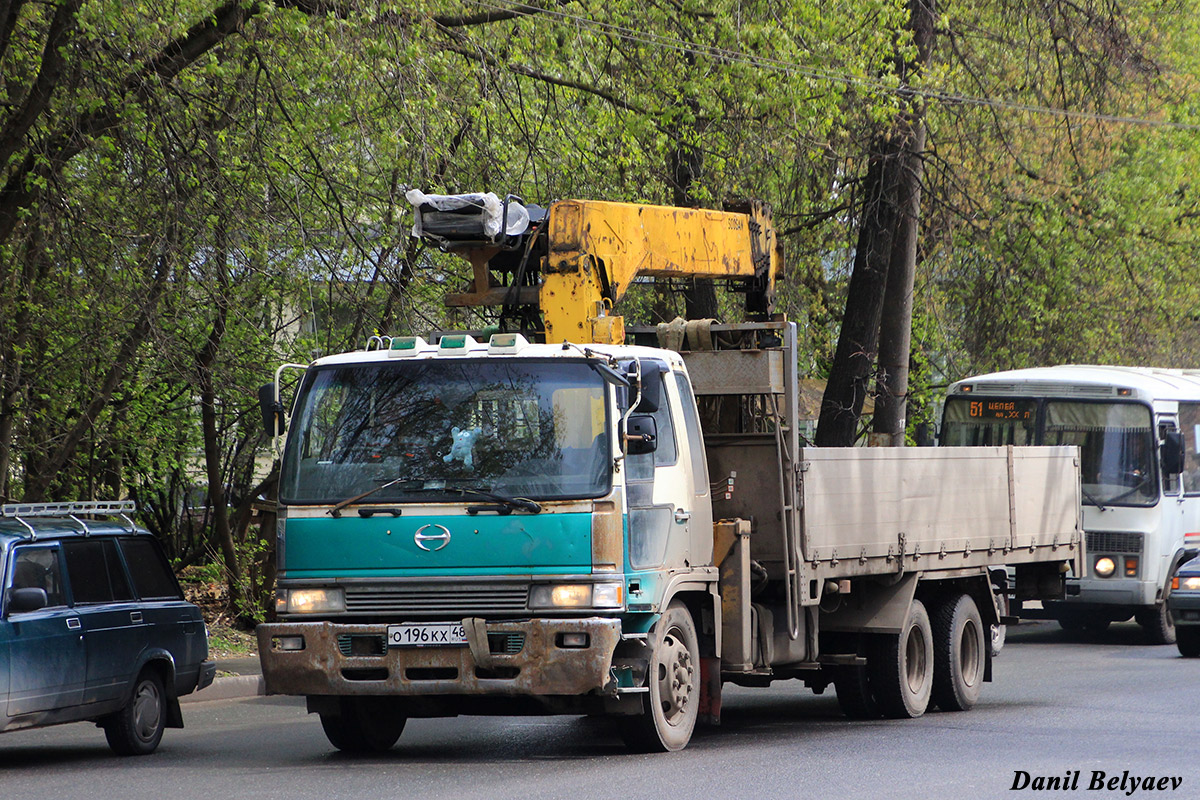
column 27, row 599
column 641, row 435
column 1171, row 453
column 651, row 385
column 272, row 410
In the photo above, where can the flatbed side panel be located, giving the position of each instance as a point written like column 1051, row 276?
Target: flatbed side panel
column 870, row 511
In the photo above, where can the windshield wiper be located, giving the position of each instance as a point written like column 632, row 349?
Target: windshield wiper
column 336, row 511
column 1088, row 496
column 507, row 504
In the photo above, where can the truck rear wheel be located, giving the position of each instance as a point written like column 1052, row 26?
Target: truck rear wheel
column 360, row 729
column 960, row 657
column 902, row 667
column 673, row 702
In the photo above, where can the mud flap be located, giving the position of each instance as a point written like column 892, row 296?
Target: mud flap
column 710, row 690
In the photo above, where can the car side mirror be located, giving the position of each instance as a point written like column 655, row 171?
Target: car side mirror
column 641, row 435
column 1171, row 453
column 28, row 599
column 272, row 410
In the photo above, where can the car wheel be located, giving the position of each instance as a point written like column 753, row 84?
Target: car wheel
column 137, row 728
column 1188, row 642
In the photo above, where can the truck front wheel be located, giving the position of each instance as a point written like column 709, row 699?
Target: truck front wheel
column 673, row 702
column 359, row 728
column 1157, row 623
column 902, row 667
column 960, row 657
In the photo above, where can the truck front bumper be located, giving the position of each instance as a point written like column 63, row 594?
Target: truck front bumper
column 527, row 657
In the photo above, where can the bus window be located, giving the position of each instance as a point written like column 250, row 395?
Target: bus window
column 1189, row 425
column 1116, row 449
column 982, row 421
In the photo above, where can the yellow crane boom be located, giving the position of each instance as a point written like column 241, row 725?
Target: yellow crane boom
column 577, row 258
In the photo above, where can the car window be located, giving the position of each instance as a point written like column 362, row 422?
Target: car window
column 152, row 577
column 95, row 571
column 38, row 568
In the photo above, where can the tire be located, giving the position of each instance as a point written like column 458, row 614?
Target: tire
column 671, row 706
column 1157, row 623
column 853, row 687
column 137, row 728
column 1188, row 641
column 901, row 669
column 960, row 653
column 361, row 728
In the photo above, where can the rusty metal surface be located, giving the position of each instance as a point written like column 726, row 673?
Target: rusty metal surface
column 540, row 668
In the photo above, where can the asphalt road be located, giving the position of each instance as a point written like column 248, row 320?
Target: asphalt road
column 1112, row 705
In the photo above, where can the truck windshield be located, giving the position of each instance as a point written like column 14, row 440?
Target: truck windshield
column 1115, row 440
column 436, row 430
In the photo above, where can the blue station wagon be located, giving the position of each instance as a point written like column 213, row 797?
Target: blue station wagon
column 93, row 625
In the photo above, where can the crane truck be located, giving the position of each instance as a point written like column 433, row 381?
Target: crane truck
column 584, row 518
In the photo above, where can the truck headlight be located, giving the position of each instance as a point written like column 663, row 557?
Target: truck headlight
column 314, row 601
column 1104, row 566
column 576, row 595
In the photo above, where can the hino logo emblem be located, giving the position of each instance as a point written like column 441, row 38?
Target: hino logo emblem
column 439, row 539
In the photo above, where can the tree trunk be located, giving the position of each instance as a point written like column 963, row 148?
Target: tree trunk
column 895, row 335
column 854, row 358
column 205, row 362
column 884, row 267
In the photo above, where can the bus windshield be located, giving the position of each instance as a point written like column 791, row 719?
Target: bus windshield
column 1115, row 440
column 444, row 431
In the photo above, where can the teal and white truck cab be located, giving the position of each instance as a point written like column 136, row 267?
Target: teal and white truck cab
column 504, row 527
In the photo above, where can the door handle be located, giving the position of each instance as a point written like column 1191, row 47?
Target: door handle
column 135, row 617
column 682, row 516
column 74, row 624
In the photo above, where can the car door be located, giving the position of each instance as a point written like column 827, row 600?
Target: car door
column 47, row 656
column 175, row 625
column 115, row 631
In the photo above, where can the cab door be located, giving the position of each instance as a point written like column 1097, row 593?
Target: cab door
column 656, row 484
column 47, row 657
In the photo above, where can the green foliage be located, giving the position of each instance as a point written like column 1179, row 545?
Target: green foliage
column 175, row 239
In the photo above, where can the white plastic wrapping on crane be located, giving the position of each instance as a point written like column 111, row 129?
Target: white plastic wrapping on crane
column 490, row 211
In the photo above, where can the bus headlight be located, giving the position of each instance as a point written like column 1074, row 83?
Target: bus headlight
column 1104, row 567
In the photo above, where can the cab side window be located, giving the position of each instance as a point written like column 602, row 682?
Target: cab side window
column 152, row 576
column 641, row 467
column 96, row 573
column 38, row 568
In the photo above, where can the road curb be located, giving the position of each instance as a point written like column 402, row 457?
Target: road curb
column 229, row 688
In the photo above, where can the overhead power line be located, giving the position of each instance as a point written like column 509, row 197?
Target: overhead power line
column 829, row 76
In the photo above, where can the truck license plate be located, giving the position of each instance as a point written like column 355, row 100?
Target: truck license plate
column 428, row 634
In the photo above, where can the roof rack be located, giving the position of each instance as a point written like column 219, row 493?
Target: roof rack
column 72, row 510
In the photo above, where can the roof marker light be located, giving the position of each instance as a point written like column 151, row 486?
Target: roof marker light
column 506, row 343
column 458, row 344
column 406, row 346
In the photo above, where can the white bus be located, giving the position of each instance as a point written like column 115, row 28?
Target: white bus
column 1138, row 432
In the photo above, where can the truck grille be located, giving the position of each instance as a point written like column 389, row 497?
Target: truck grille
column 452, row 600
column 1114, row 542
